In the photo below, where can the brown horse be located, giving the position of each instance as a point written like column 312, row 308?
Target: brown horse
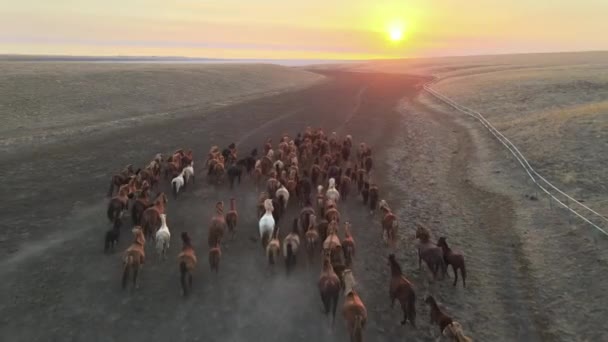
column 150, row 219
column 187, row 263
column 291, row 245
column 312, row 239
column 118, row 204
column 273, row 249
column 353, row 310
column 134, row 258
column 142, row 202
column 305, row 214
column 402, row 289
column 348, row 245
column 329, row 287
column 429, row 252
column 456, row 259
column 121, row 178
column 217, row 226
column 231, row 218
column 447, row 326
column 390, row 224
column 331, row 211
column 215, row 254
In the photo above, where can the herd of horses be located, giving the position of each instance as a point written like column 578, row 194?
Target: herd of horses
column 313, row 172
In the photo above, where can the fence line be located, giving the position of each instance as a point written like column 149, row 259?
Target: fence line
column 521, row 159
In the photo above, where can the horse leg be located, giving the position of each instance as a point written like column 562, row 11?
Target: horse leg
column 404, row 309
column 455, row 274
column 334, row 307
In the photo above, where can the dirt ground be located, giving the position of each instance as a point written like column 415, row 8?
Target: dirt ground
column 59, row 286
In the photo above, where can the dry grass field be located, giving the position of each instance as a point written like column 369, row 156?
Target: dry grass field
column 44, row 101
column 554, row 107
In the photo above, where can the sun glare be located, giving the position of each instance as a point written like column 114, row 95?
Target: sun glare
column 396, row 32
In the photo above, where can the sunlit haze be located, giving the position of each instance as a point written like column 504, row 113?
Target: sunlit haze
column 311, row 29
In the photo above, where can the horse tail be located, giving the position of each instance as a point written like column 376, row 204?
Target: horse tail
column 125, row 272
column 175, row 190
column 183, row 271
column 358, row 329
column 290, row 259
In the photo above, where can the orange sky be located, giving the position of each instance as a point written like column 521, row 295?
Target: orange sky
column 329, row 29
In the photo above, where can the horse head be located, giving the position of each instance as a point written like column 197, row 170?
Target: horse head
column 138, row 234
column 442, row 242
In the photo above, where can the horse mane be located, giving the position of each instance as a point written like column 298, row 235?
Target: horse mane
column 138, row 235
column 442, row 242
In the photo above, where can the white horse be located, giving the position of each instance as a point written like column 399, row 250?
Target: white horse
column 163, row 236
column 332, row 193
column 177, row 183
column 266, row 224
column 282, row 191
column 188, row 172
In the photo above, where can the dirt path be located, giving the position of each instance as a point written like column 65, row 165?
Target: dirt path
column 60, row 285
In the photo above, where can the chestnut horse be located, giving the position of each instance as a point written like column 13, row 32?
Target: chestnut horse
column 390, row 225
column 273, row 249
column 134, row 257
column 187, row 263
column 215, row 255
column 354, row 310
column 402, row 289
column 329, row 287
column 447, row 326
column 456, row 259
column 231, row 218
column 217, row 226
column 142, row 202
column 150, row 219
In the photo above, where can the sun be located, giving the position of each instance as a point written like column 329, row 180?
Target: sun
column 396, row 31
column 395, row 34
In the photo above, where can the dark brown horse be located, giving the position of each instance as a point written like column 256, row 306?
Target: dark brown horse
column 429, row 252
column 329, row 288
column 447, row 326
column 118, row 204
column 187, row 263
column 456, row 259
column 374, row 195
column 348, row 246
column 402, row 289
column 121, row 178
column 142, row 202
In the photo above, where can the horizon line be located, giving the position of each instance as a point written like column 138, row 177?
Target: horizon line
column 4, row 55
